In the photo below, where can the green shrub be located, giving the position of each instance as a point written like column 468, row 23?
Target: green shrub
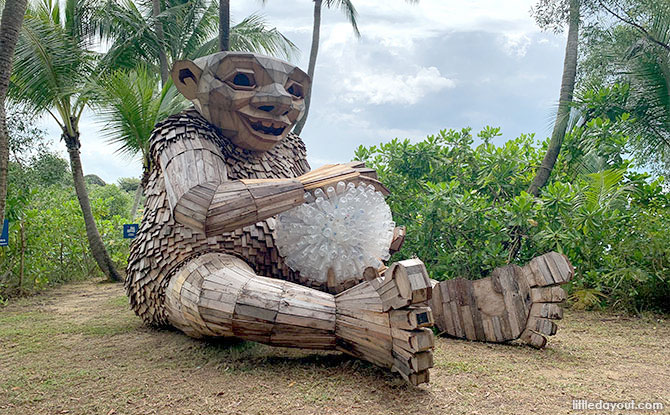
column 467, row 212
column 47, row 236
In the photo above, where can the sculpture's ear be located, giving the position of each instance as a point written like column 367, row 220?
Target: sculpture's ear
column 185, row 75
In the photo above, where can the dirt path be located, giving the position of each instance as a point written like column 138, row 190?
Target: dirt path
column 79, row 350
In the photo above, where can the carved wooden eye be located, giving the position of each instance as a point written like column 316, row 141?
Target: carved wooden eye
column 242, row 79
column 295, row 89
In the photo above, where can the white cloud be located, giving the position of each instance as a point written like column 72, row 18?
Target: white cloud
column 393, row 88
column 515, row 44
column 489, row 15
column 354, row 118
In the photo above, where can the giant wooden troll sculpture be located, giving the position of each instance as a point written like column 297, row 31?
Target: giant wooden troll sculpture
column 205, row 260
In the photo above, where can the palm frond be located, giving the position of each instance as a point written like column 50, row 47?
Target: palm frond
column 81, row 19
column 649, row 76
column 634, row 55
column 129, row 28
column 660, row 21
column 347, row 7
column 201, row 28
column 603, row 190
column 130, row 103
column 49, row 65
column 253, row 35
column 190, row 30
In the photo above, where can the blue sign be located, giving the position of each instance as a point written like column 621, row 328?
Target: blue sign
column 4, row 237
column 130, row 230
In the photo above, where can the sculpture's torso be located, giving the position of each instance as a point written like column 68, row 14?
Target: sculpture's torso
column 162, row 245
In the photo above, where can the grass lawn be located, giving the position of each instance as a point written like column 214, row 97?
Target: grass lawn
column 78, row 349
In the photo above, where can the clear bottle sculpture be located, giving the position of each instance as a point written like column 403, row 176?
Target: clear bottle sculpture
column 345, row 229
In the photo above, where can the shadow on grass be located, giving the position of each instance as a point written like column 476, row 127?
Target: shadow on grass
column 234, row 356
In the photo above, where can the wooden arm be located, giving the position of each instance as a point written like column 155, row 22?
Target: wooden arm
column 236, row 204
column 202, row 197
column 240, row 203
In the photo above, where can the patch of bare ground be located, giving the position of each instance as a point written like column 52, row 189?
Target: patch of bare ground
column 78, row 349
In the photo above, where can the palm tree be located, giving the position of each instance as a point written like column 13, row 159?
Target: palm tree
column 565, row 100
column 645, row 67
column 224, row 25
column 160, row 36
column 626, row 71
column 190, row 30
column 53, row 67
column 552, row 14
column 131, row 102
column 12, row 17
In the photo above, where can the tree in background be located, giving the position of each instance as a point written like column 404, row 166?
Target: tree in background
column 160, row 37
column 349, row 11
column 460, row 202
column 129, row 184
column 224, row 25
column 47, row 233
column 12, row 17
column 553, row 14
column 190, row 30
column 625, row 70
column 53, row 71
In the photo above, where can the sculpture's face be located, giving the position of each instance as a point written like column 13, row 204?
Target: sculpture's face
column 254, row 99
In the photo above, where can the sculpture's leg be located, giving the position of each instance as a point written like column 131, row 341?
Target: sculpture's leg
column 514, row 302
column 220, row 295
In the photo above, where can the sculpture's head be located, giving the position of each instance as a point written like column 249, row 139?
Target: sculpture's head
column 254, row 99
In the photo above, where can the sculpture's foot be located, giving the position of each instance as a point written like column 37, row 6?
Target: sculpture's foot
column 514, row 302
column 378, row 321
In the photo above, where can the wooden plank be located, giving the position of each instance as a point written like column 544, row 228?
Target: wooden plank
column 413, row 341
column 456, row 318
column 411, row 318
column 547, row 310
column 515, row 308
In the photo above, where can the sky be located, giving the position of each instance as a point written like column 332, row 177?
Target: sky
column 415, row 70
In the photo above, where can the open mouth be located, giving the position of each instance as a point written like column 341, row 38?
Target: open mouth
column 267, row 127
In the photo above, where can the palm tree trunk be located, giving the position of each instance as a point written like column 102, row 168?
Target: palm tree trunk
column 162, row 57
column 312, row 63
column 136, row 201
column 224, row 25
column 560, row 126
column 94, row 240
column 12, row 18
column 567, row 88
